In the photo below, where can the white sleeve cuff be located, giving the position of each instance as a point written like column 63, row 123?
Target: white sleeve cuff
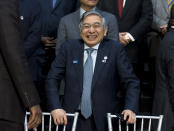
column 130, row 36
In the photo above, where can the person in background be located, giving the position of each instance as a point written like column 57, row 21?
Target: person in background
column 93, row 68
column 69, row 24
column 134, row 20
column 161, row 16
column 163, row 102
column 51, row 13
column 17, row 92
column 31, row 27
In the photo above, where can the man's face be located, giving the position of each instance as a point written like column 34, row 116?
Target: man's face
column 88, row 3
column 92, row 30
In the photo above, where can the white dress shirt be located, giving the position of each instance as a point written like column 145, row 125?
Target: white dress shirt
column 93, row 55
column 124, row 1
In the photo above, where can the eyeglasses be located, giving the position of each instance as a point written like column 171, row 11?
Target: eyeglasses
column 87, row 26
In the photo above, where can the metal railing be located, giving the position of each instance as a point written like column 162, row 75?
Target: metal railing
column 75, row 115
column 140, row 118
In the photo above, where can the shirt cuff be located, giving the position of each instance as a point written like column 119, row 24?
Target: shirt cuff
column 130, row 36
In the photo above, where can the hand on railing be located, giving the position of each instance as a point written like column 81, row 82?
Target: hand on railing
column 35, row 117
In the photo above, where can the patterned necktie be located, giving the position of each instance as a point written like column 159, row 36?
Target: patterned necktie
column 120, row 7
column 86, row 109
column 170, row 3
column 54, row 2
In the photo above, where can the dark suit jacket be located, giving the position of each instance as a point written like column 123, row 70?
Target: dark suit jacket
column 164, row 92
column 69, row 27
column 31, row 25
column 16, row 89
column 105, row 84
column 136, row 19
column 51, row 16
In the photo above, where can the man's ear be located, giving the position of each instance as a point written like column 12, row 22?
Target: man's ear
column 105, row 31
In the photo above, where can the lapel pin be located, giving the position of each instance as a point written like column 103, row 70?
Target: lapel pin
column 75, row 61
column 104, row 59
column 22, row 17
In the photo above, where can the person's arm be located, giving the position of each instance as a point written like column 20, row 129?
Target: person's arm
column 54, row 78
column 61, row 35
column 161, row 14
column 145, row 20
column 130, row 84
column 11, row 48
column 32, row 42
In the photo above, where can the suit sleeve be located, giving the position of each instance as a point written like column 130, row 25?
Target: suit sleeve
column 32, row 42
column 112, row 28
column 145, row 20
column 54, row 78
column 12, row 51
column 129, row 80
column 61, row 35
column 160, row 14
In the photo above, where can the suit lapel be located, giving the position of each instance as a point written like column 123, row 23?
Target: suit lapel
column 79, row 67
column 98, row 65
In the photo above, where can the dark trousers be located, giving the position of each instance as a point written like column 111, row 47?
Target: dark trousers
column 83, row 124
column 86, row 124
column 10, row 126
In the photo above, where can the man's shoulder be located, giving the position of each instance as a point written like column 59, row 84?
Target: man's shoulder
column 70, row 16
column 32, row 6
column 30, row 2
column 112, row 44
column 70, row 44
column 106, row 14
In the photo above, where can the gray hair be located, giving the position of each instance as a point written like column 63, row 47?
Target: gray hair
column 104, row 23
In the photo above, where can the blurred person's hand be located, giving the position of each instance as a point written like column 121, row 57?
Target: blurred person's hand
column 129, row 116
column 35, row 117
column 49, row 42
column 163, row 29
column 124, row 38
column 59, row 117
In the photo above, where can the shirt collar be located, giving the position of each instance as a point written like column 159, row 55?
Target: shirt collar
column 82, row 11
column 94, row 47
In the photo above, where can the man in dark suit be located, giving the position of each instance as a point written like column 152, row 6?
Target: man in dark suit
column 134, row 19
column 163, row 102
column 16, row 89
column 93, row 69
column 69, row 24
column 51, row 13
column 31, row 27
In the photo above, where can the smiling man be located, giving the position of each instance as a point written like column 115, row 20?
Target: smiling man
column 92, row 68
column 69, row 24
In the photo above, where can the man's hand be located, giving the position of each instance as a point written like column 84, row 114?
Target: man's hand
column 49, row 42
column 59, row 117
column 163, row 29
column 35, row 117
column 130, row 115
column 124, row 38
